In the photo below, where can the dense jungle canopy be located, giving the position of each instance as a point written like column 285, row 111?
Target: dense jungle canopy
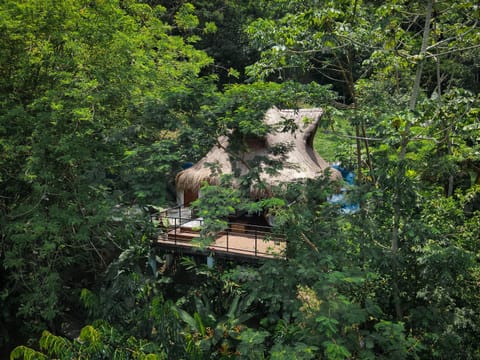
column 103, row 101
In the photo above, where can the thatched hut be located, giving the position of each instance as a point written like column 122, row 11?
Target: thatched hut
column 300, row 161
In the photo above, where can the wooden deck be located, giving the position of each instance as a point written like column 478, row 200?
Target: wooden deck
column 238, row 240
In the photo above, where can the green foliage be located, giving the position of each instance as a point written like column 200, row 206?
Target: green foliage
column 103, row 101
column 221, row 34
column 391, row 337
column 26, row 353
column 309, row 302
column 78, row 84
column 185, row 18
column 58, row 345
column 219, row 319
column 94, row 342
column 215, row 205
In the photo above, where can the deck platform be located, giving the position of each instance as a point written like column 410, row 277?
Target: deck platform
column 241, row 240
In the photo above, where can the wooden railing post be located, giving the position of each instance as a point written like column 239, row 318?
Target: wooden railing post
column 228, row 232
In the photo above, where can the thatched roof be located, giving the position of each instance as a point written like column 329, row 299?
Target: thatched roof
column 300, row 161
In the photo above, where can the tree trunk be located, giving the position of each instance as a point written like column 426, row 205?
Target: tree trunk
column 397, row 216
column 367, row 152
column 359, row 153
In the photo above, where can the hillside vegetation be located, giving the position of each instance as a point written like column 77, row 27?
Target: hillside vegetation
column 101, row 104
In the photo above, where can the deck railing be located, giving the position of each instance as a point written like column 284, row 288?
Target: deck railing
column 180, row 226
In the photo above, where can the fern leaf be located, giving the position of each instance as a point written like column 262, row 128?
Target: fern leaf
column 25, row 353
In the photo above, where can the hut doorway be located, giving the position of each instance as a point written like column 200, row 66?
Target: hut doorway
column 189, row 196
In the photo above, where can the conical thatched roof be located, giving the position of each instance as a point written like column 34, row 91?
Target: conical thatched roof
column 300, row 161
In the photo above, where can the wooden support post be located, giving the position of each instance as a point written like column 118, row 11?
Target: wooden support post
column 175, row 231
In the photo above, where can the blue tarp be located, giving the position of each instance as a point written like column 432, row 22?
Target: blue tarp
column 187, row 165
column 346, row 207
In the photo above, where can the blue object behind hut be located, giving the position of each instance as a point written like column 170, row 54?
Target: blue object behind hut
column 187, row 165
column 349, row 177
